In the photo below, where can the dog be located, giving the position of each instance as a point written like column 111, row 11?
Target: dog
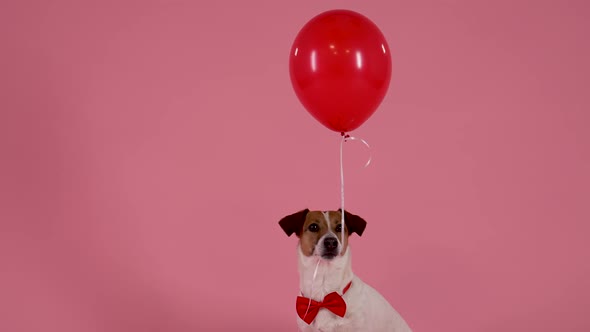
column 333, row 298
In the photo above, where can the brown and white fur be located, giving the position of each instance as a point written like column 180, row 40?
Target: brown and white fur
column 322, row 247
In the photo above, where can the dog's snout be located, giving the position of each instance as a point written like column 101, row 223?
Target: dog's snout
column 330, row 243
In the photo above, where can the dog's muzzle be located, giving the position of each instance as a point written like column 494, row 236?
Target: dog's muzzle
column 330, row 247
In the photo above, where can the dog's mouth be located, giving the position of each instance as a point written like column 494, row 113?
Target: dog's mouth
column 329, row 255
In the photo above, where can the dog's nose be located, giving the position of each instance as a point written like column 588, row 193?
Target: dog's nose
column 330, row 243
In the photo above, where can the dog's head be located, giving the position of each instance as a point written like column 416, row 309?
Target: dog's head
column 320, row 232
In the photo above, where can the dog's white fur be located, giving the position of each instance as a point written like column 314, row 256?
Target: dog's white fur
column 366, row 309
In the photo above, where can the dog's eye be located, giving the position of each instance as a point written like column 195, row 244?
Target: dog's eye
column 339, row 228
column 314, row 228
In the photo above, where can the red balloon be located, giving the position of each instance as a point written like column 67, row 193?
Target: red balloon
column 340, row 68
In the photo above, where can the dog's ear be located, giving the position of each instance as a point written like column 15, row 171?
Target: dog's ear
column 293, row 223
column 354, row 223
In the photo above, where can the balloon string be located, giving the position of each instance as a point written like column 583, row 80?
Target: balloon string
column 346, row 137
column 315, row 273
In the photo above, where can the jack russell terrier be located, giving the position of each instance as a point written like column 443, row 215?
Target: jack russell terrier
column 332, row 297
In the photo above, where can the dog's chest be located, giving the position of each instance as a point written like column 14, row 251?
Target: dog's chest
column 332, row 323
column 326, row 321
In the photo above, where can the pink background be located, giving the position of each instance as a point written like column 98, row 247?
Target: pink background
column 148, row 149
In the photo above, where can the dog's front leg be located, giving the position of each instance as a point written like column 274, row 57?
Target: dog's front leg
column 303, row 327
column 308, row 328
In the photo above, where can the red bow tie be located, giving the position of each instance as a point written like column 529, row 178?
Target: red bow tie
column 308, row 309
